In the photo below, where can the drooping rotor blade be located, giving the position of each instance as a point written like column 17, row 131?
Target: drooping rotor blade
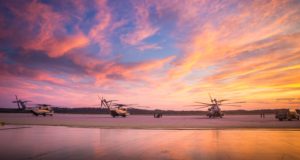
column 139, row 107
column 19, row 107
column 17, row 101
column 235, row 102
column 119, row 104
column 204, row 103
column 101, row 105
column 123, row 105
column 112, row 100
column 45, row 105
column 231, row 105
column 201, row 107
column 222, row 100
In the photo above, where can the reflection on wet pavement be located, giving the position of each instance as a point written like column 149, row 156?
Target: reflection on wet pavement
column 49, row 142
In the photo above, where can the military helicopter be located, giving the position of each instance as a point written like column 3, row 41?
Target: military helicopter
column 39, row 109
column 117, row 110
column 290, row 113
column 42, row 109
column 214, row 109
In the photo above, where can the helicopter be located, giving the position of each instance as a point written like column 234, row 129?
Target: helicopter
column 290, row 113
column 40, row 109
column 214, row 109
column 118, row 110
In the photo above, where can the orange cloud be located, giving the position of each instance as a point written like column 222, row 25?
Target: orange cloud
column 213, row 44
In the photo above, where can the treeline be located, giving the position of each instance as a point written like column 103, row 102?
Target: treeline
column 135, row 111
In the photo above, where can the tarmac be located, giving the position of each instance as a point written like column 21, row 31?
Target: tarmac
column 149, row 122
column 59, row 142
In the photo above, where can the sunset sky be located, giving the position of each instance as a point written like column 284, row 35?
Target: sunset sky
column 164, row 54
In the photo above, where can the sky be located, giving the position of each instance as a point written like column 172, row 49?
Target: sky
column 158, row 53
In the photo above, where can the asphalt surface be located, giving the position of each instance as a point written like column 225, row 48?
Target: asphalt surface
column 148, row 122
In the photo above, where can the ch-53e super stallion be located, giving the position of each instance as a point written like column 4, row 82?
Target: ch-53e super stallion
column 117, row 109
column 290, row 113
column 39, row 109
column 214, row 109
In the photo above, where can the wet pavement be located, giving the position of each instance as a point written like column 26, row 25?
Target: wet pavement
column 57, row 142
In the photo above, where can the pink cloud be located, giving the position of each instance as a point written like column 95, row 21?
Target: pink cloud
column 98, row 32
column 143, row 27
column 52, row 36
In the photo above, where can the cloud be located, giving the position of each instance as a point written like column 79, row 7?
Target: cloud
column 143, row 27
column 213, row 44
column 103, row 21
column 242, row 49
column 42, row 29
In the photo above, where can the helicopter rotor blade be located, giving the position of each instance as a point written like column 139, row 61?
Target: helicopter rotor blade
column 233, row 105
column 203, row 103
column 18, row 102
column 223, row 100
column 112, row 100
column 201, row 107
column 235, row 102
column 101, row 105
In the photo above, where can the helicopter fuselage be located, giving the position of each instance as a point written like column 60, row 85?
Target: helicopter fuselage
column 214, row 112
column 42, row 111
column 120, row 111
